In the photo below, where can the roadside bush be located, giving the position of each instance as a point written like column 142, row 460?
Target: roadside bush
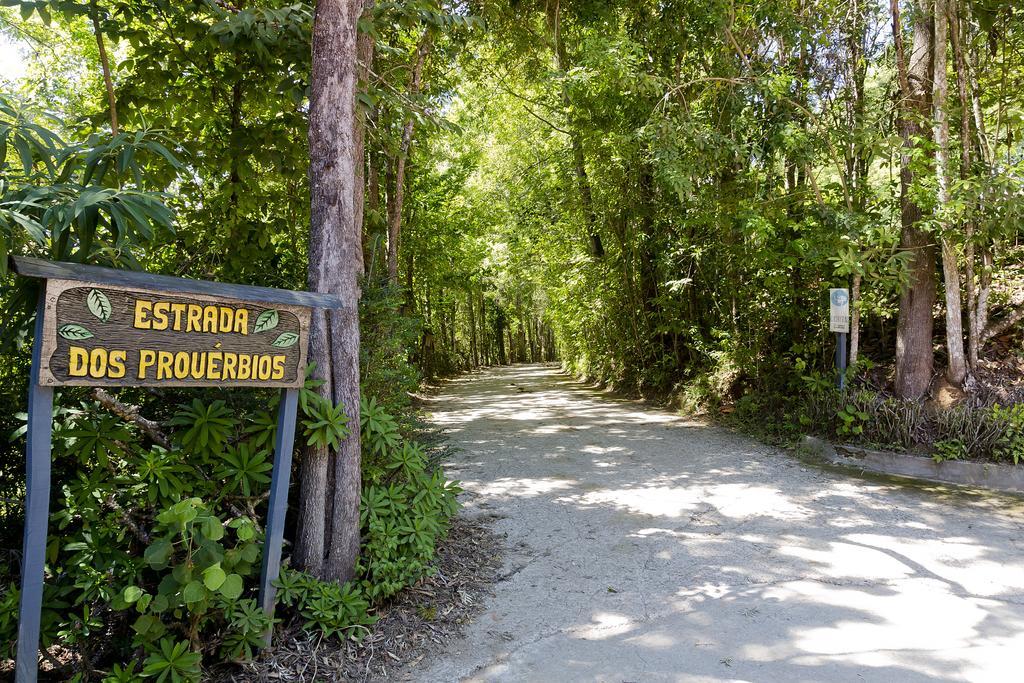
column 156, row 548
column 1010, row 442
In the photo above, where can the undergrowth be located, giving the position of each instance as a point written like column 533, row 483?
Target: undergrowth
column 155, row 548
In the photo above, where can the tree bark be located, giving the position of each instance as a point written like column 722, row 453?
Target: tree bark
column 364, row 63
column 956, row 370
column 554, row 21
column 855, row 319
column 94, row 14
column 956, row 38
column 328, row 538
column 398, row 192
column 914, row 352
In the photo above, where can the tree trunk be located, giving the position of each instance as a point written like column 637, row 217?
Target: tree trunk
column 474, row 352
column 554, row 23
column 914, row 352
column 956, row 370
column 334, row 265
column 94, row 14
column 398, row 191
column 855, row 319
column 973, row 332
column 364, row 57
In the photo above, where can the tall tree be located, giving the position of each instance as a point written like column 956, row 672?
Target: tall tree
column 914, row 354
column 398, row 190
column 956, row 370
column 328, row 539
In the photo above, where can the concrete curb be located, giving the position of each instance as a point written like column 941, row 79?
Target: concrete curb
column 1009, row 478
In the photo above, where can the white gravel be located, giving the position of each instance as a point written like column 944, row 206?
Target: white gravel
column 648, row 547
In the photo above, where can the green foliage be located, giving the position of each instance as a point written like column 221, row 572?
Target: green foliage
column 851, row 420
column 1010, row 419
column 84, row 201
column 952, row 449
column 158, row 551
column 173, row 662
column 323, row 606
column 405, row 507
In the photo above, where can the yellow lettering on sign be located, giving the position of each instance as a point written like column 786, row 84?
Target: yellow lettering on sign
column 78, row 361
column 195, row 318
column 230, row 361
column 278, row 368
column 210, row 319
column 142, row 307
column 198, row 368
column 213, row 362
column 116, row 368
column 242, row 321
column 160, row 315
column 98, row 363
column 178, row 310
column 244, row 366
column 225, row 318
column 164, row 365
column 147, row 359
column 181, row 365
column 264, row 368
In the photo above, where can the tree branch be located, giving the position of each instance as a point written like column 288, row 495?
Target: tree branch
column 1014, row 317
column 105, row 65
column 131, row 414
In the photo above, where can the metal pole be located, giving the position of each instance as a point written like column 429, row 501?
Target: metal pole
column 37, row 509
column 278, row 505
column 841, row 359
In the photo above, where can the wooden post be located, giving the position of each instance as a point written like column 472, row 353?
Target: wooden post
column 37, row 509
column 278, row 504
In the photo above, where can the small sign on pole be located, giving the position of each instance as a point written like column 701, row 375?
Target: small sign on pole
column 839, row 310
column 104, row 327
column 839, row 322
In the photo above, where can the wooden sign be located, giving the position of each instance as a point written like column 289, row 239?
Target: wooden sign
column 101, row 334
column 99, row 326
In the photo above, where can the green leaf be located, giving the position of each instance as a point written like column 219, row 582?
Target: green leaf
column 158, row 553
column 267, row 320
column 193, row 592
column 131, row 594
column 232, row 587
column 285, row 340
column 74, row 332
column 213, row 577
column 99, row 304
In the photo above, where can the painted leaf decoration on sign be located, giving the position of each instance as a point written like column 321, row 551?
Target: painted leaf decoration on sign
column 99, row 304
column 267, row 320
column 285, row 340
column 74, row 332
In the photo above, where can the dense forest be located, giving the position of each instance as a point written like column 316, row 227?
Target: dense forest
column 657, row 195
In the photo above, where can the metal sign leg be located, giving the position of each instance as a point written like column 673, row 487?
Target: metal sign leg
column 37, row 511
column 841, row 358
column 278, row 504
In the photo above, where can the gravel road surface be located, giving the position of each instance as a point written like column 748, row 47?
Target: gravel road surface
column 643, row 546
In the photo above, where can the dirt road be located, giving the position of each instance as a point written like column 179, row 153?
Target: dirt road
column 648, row 547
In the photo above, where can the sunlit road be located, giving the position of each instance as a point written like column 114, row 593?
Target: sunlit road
column 648, row 547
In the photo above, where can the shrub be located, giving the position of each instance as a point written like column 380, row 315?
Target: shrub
column 156, row 552
column 1010, row 442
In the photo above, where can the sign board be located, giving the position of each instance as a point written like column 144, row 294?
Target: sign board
column 839, row 310
column 107, row 335
column 105, row 327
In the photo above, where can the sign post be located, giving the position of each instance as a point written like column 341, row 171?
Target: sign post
column 104, row 327
column 839, row 322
